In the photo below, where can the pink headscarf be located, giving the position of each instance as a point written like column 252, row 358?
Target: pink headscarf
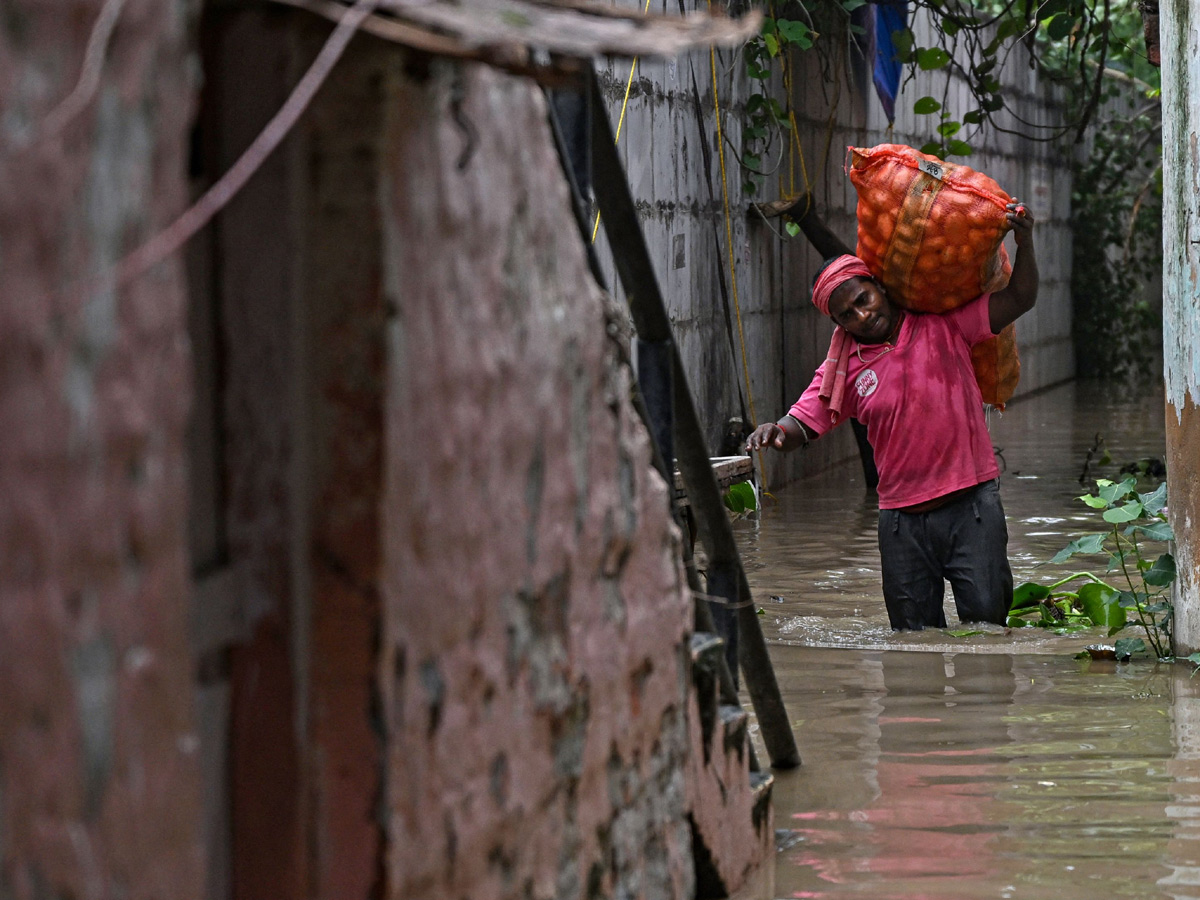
column 834, row 275
column 833, row 378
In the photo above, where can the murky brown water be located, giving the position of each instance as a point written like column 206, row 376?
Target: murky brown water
column 992, row 765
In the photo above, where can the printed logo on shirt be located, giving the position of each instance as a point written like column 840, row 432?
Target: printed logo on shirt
column 866, row 383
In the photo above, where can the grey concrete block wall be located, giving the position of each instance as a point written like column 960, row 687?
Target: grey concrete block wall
column 785, row 339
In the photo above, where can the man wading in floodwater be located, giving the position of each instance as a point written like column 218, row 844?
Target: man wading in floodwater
column 908, row 377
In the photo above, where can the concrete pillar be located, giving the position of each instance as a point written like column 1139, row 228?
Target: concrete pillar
column 1180, row 24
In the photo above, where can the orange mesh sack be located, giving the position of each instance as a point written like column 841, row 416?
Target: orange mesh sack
column 997, row 366
column 931, row 231
column 933, row 234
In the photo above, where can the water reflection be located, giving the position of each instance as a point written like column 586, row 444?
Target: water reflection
column 984, row 765
column 960, row 775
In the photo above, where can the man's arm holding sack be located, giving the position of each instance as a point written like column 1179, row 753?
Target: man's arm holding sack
column 1020, row 295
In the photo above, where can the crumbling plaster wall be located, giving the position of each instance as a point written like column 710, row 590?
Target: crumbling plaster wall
column 668, row 143
column 1180, row 37
column 98, row 758
column 534, row 667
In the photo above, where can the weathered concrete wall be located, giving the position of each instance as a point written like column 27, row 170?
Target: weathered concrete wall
column 1180, row 24
column 99, row 781
column 670, row 121
column 534, row 669
column 438, row 623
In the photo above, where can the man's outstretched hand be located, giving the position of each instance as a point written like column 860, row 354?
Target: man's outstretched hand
column 768, row 435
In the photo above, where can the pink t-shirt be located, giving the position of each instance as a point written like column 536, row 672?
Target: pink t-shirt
column 921, row 405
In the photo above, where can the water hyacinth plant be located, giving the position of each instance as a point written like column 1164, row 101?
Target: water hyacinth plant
column 1134, row 588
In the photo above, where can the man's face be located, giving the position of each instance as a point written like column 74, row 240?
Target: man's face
column 861, row 307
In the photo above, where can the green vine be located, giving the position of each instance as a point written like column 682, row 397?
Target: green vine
column 766, row 117
column 1135, row 589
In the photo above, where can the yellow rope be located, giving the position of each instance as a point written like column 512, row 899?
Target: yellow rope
column 794, row 146
column 712, row 56
column 621, row 120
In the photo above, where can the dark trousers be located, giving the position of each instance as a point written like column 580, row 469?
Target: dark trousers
column 964, row 542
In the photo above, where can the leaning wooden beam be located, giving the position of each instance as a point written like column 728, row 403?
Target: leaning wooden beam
column 532, row 36
column 646, row 306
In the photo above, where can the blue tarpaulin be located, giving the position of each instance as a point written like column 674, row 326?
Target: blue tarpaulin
column 885, row 21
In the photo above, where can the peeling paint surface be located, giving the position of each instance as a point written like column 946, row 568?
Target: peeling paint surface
column 1180, row 35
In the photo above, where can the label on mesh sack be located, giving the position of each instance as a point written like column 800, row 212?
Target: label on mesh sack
column 930, row 168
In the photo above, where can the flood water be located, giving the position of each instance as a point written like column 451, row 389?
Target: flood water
column 990, row 765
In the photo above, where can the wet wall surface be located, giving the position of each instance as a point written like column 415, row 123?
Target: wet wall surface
column 980, row 765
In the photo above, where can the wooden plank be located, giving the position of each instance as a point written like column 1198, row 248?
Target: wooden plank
column 726, row 469
column 577, row 29
column 528, row 36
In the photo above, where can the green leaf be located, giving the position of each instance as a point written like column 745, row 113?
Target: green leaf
column 903, row 42
column 1028, row 596
column 932, row 58
column 797, row 33
column 791, row 228
column 958, row 148
column 1126, row 647
column 974, row 117
column 1099, row 603
column 1088, row 543
column 1121, row 514
column 1114, row 491
column 1009, row 27
column 950, row 27
column 993, row 104
column 933, row 148
column 1155, row 531
column 1093, row 501
column 926, row 105
column 1155, row 501
column 744, row 493
column 1060, row 26
column 772, row 43
column 1127, row 600
column 963, row 633
column 1162, row 572
column 1052, row 8
column 734, row 503
column 949, row 129
column 851, row 5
